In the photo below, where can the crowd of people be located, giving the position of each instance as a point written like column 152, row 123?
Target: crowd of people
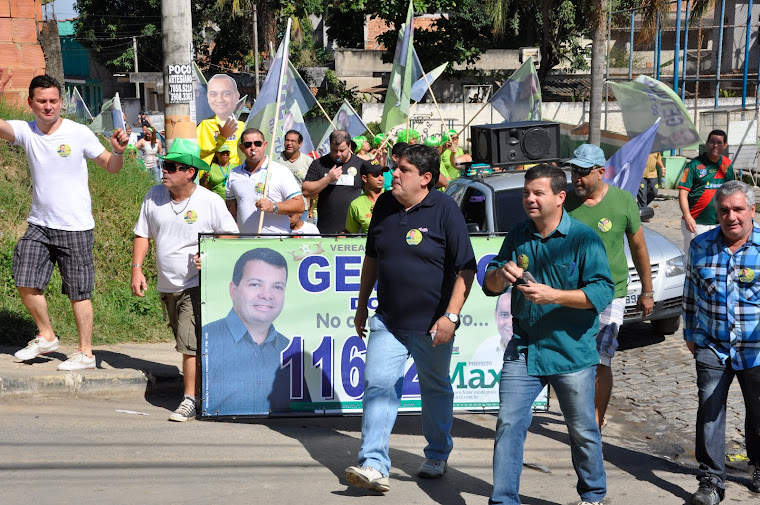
column 564, row 267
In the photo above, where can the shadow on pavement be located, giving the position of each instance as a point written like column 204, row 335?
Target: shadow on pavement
column 165, row 386
column 635, row 335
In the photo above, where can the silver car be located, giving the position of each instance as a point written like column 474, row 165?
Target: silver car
column 492, row 204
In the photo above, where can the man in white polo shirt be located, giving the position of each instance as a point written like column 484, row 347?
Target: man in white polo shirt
column 246, row 184
column 60, row 222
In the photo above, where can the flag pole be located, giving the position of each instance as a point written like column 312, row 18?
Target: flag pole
column 473, row 118
column 440, row 114
column 325, row 113
column 283, row 69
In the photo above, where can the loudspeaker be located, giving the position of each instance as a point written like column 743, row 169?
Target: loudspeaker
column 518, row 143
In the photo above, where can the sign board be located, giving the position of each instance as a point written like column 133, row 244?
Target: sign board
column 308, row 358
column 180, row 83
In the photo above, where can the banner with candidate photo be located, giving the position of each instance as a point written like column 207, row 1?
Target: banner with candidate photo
column 278, row 336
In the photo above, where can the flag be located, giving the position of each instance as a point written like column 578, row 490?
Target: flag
column 77, row 107
column 239, row 107
column 345, row 119
column 420, row 87
column 397, row 98
column 294, row 94
column 199, row 107
column 644, row 100
column 110, row 117
column 626, row 167
column 519, row 98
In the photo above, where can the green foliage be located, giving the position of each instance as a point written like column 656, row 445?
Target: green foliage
column 116, row 199
column 331, row 96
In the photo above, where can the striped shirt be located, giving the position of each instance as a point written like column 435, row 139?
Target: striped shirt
column 721, row 302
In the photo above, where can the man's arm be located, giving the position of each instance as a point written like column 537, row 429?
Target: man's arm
column 366, row 284
column 6, row 132
column 294, row 205
column 313, row 188
column 232, row 207
column 443, row 329
column 640, row 256
column 113, row 162
column 139, row 251
column 683, row 202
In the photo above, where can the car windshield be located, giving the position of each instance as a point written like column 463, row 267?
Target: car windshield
column 508, row 209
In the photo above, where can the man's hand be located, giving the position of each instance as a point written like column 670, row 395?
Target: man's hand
column 334, row 174
column 265, row 205
column 197, row 261
column 204, row 179
column 229, row 127
column 139, row 284
column 645, row 305
column 119, row 140
column 691, row 346
column 442, row 331
column 691, row 224
column 538, row 293
column 4, row 78
column 510, row 272
column 360, row 320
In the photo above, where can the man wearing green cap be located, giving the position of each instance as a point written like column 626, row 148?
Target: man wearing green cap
column 173, row 214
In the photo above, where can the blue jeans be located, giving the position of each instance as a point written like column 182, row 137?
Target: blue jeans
column 714, row 380
column 383, row 380
column 517, row 391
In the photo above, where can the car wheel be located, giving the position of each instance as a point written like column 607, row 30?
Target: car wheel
column 667, row 326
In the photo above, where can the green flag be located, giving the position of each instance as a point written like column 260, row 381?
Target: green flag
column 398, row 96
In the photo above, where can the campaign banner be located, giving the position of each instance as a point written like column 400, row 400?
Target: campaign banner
column 278, row 338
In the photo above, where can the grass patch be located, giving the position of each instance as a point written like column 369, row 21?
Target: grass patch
column 116, row 199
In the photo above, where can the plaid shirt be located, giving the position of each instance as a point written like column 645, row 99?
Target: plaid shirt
column 721, row 300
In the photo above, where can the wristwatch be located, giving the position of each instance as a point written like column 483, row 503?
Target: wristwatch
column 454, row 318
column 275, row 209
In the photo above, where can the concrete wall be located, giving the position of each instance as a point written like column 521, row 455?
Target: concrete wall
column 20, row 52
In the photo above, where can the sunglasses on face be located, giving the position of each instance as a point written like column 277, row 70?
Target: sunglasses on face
column 582, row 171
column 257, row 143
column 171, row 167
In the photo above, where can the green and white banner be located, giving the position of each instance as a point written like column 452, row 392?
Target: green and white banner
column 278, row 333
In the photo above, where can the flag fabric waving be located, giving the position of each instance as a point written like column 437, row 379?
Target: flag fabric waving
column 77, row 107
column 519, row 98
column 644, row 100
column 346, row 119
column 420, row 87
column 625, row 168
column 110, row 117
column 397, row 98
column 199, row 107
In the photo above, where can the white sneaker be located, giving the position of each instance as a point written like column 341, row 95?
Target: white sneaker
column 77, row 361
column 432, row 468
column 38, row 345
column 367, row 477
column 185, row 411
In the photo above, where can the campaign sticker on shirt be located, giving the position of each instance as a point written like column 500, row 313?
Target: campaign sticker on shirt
column 703, row 172
column 604, row 224
column 64, row 150
column 351, row 171
column 260, row 187
column 522, row 261
column 191, row 216
column 413, row 236
column 746, row 275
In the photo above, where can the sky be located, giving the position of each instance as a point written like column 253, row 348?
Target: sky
column 64, row 9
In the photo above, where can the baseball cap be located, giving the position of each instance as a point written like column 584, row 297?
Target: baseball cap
column 587, row 156
column 373, row 169
column 223, row 149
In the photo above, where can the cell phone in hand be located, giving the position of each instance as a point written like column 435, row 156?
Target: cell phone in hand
column 528, row 277
column 522, row 280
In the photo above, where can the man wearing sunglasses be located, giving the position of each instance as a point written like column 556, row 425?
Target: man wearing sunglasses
column 613, row 214
column 701, row 179
column 173, row 214
column 247, row 183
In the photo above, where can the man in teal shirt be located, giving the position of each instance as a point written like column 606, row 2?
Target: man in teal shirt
column 555, row 321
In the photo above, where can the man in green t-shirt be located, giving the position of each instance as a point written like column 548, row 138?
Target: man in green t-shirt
column 613, row 214
column 701, row 178
column 360, row 211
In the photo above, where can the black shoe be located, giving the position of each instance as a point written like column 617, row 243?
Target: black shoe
column 707, row 494
column 755, row 484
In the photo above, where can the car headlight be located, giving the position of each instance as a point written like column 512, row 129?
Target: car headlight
column 675, row 266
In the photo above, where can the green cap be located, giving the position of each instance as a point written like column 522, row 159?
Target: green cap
column 187, row 152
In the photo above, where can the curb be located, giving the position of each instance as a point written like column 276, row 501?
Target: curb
column 77, row 384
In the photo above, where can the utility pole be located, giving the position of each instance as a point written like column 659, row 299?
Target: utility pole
column 256, row 45
column 178, row 70
column 134, row 52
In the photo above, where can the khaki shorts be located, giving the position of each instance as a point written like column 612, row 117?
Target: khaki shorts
column 184, row 312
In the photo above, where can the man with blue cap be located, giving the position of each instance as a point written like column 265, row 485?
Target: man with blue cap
column 613, row 214
column 173, row 214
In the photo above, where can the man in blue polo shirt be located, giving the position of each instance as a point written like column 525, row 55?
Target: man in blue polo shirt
column 420, row 254
column 555, row 321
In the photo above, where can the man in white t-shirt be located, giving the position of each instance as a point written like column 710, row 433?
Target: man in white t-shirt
column 246, row 185
column 173, row 214
column 60, row 221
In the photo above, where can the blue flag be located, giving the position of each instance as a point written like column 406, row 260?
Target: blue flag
column 519, row 98
column 626, row 167
column 346, row 119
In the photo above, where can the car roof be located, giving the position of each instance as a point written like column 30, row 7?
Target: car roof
column 509, row 179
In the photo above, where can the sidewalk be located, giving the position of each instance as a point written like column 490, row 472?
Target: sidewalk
column 140, row 369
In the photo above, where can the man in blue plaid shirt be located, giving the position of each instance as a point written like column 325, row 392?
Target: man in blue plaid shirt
column 721, row 307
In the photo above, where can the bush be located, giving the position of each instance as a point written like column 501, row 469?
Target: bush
column 116, row 199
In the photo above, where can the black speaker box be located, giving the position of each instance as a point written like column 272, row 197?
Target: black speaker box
column 518, row 143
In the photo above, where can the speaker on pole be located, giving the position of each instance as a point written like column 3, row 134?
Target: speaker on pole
column 518, row 143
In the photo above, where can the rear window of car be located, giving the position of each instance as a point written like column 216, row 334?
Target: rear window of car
column 508, row 209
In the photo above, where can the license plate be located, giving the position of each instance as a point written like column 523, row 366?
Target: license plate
column 631, row 299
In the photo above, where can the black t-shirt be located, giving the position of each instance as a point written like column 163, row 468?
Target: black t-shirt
column 419, row 253
column 334, row 200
